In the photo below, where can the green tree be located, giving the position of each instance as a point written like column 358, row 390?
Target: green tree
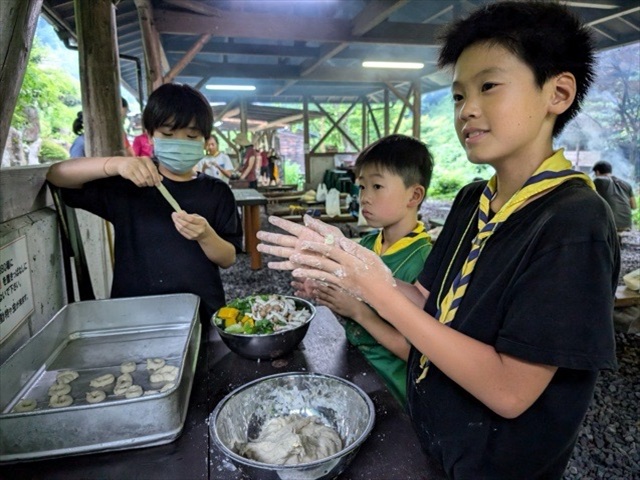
column 53, row 92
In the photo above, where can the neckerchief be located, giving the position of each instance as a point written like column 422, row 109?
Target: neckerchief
column 417, row 233
column 552, row 172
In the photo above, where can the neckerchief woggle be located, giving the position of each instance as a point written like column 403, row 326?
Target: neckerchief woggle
column 554, row 171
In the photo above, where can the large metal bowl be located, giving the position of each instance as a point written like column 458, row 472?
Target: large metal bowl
column 267, row 346
column 340, row 404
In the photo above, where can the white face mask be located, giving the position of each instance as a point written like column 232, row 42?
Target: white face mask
column 178, row 156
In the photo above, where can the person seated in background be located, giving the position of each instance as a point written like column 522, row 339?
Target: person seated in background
column 393, row 175
column 617, row 193
column 216, row 163
column 159, row 250
column 77, row 147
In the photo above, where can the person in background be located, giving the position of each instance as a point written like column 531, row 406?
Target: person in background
column 510, row 321
column 142, row 146
column 77, row 147
column 617, row 193
column 393, row 176
column 216, row 163
column 125, row 139
column 159, row 250
column 250, row 162
column 274, row 159
column 265, row 172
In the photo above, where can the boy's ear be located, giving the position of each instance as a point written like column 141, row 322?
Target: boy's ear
column 563, row 94
column 417, row 195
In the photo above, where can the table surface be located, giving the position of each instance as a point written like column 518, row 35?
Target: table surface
column 248, row 196
column 392, row 450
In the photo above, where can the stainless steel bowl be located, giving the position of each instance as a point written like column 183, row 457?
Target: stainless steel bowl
column 340, row 404
column 268, row 346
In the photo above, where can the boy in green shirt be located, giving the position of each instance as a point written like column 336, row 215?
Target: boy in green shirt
column 393, row 175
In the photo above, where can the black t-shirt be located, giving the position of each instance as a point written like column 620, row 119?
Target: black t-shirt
column 617, row 194
column 151, row 256
column 542, row 290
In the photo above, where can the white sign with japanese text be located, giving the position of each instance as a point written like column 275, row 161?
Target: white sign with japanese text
column 16, row 292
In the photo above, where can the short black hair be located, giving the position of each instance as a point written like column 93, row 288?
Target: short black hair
column 402, row 155
column 602, row 167
column 545, row 36
column 178, row 104
column 78, row 124
column 214, row 138
column 124, row 102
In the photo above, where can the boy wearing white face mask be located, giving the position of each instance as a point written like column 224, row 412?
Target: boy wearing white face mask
column 158, row 250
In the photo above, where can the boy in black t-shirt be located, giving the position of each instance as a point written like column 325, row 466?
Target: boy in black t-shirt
column 510, row 320
column 159, row 250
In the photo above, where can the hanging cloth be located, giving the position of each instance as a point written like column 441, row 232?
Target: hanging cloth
column 552, row 172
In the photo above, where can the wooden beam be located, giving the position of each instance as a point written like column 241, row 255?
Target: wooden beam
column 266, row 26
column 19, row 20
column 374, row 13
column 283, row 121
column 196, row 7
column 323, row 73
column 184, row 61
column 99, row 77
column 336, row 124
column 179, row 45
column 330, row 52
column 397, row 93
column 250, row 25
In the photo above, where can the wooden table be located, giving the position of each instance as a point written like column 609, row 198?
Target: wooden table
column 391, row 451
column 250, row 201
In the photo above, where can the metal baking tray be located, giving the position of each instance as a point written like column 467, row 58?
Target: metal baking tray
column 95, row 338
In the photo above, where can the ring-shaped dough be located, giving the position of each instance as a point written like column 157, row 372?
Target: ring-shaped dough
column 95, row 396
column 59, row 401
column 102, row 381
column 155, row 363
column 163, row 377
column 59, row 389
column 122, row 387
column 133, row 391
column 128, row 367
column 25, row 405
column 67, row 376
column 124, row 378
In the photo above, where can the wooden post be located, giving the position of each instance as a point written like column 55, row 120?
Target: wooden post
column 99, row 77
column 386, row 111
column 151, row 44
column 243, row 117
column 18, row 21
column 307, row 147
column 364, row 124
column 417, row 107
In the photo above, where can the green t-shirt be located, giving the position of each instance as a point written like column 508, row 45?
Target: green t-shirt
column 405, row 259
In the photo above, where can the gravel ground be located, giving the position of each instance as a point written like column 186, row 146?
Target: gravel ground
column 608, row 445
